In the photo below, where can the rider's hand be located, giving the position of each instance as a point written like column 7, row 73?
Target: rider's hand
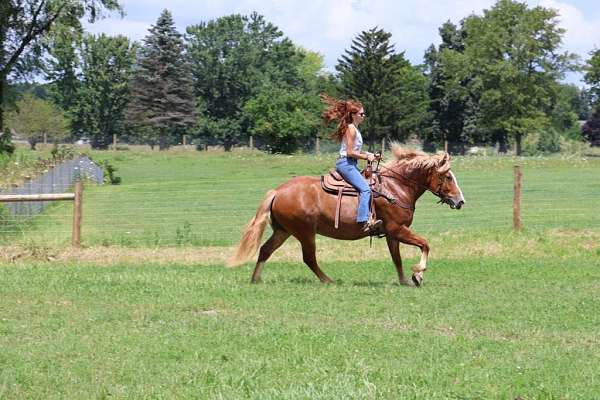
column 370, row 157
column 377, row 156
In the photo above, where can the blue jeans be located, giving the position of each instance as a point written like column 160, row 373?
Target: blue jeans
column 348, row 168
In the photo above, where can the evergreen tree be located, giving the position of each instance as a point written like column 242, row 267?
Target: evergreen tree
column 103, row 95
column 373, row 73
column 162, row 98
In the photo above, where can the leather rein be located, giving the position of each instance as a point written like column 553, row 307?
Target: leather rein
column 398, row 176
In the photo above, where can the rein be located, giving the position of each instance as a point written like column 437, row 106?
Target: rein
column 398, row 176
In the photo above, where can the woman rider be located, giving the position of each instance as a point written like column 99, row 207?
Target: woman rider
column 350, row 114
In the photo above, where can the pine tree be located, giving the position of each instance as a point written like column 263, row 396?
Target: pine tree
column 372, row 72
column 162, row 90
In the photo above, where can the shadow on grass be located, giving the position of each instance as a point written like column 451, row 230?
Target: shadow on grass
column 309, row 281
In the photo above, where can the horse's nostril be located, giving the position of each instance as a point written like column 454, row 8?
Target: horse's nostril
column 460, row 204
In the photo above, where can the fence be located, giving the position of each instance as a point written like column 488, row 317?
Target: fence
column 213, row 212
column 57, row 180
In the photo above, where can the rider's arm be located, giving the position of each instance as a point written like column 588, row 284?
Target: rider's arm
column 350, row 137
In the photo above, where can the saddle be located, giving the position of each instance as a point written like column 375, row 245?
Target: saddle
column 334, row 183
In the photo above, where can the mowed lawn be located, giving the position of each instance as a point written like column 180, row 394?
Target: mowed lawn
column 480, row 328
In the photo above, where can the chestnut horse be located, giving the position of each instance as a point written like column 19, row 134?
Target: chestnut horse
column 301, row 208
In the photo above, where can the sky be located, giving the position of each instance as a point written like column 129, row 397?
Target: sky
column 328, row 26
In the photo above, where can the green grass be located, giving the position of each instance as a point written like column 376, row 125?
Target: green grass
column 198, row 199
column 479, row 328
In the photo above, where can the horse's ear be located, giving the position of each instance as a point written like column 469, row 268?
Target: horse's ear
column 443, row 164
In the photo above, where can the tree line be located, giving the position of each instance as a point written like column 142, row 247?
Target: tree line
column 494, row 79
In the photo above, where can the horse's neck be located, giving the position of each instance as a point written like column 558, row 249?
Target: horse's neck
column 409, row 187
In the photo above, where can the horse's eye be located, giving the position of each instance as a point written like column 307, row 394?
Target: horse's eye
column 449, row 177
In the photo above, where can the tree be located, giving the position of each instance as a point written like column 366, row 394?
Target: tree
column 453, row 108
column 591, row 129
column 35, row 117
column 25, row 23
column 284, row 119
column 62, row 64
column 513, row 53
column 592, row 76
column 162, row 98
column 233, row 57
column 566, row 109
column 373, row 73
column 103, row 95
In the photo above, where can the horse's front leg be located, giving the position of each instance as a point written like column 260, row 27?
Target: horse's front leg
column 405, row 235
column 394, row 248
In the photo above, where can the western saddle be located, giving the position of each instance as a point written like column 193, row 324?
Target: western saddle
column 334, row 183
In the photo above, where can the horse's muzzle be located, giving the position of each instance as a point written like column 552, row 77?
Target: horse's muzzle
column 455, row 204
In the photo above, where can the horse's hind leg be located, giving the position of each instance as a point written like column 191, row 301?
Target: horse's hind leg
column 310, row 258
column 273, row 243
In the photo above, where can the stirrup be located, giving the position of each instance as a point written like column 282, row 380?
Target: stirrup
column 372, row 226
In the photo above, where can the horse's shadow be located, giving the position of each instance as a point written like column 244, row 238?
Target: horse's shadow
column 337, row 283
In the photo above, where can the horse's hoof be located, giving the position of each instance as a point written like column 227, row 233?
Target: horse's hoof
column 257, row 280
column 417, row 279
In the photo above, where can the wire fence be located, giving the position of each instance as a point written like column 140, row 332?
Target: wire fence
column 57, row 180
column 213, row 212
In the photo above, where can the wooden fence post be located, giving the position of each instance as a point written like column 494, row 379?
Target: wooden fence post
column 115, row 141
column 77, row 208
column 317, row 146
column 251, row 144
column 517, row 224
column 185, row 141
column 382, row 146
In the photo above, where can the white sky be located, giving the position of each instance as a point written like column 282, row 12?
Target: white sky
column 328, row 26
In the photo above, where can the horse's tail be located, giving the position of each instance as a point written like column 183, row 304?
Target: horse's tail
column 253, row 233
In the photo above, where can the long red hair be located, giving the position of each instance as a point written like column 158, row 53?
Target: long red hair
column 339, row 110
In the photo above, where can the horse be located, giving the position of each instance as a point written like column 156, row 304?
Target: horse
column 301, row 208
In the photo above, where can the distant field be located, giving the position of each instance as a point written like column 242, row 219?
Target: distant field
column 205, row 198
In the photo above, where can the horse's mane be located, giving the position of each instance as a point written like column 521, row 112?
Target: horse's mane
column 411, row 158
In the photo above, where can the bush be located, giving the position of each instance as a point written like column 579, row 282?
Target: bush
column 6, row 144
column 61, row 152
column 541, row 142
column 109, row 173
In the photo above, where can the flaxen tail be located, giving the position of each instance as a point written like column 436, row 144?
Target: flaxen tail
column 253, row 233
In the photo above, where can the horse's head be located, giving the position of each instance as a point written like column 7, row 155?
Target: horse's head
column 442, row 182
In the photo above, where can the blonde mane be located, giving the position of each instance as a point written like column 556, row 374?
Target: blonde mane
column 412, row 158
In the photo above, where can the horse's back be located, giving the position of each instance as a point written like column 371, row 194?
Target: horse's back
column 302, row 204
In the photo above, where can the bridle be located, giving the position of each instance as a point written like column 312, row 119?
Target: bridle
column 395, row 175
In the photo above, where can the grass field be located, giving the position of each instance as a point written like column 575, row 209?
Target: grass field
column 153, row 313
column 201, row 199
